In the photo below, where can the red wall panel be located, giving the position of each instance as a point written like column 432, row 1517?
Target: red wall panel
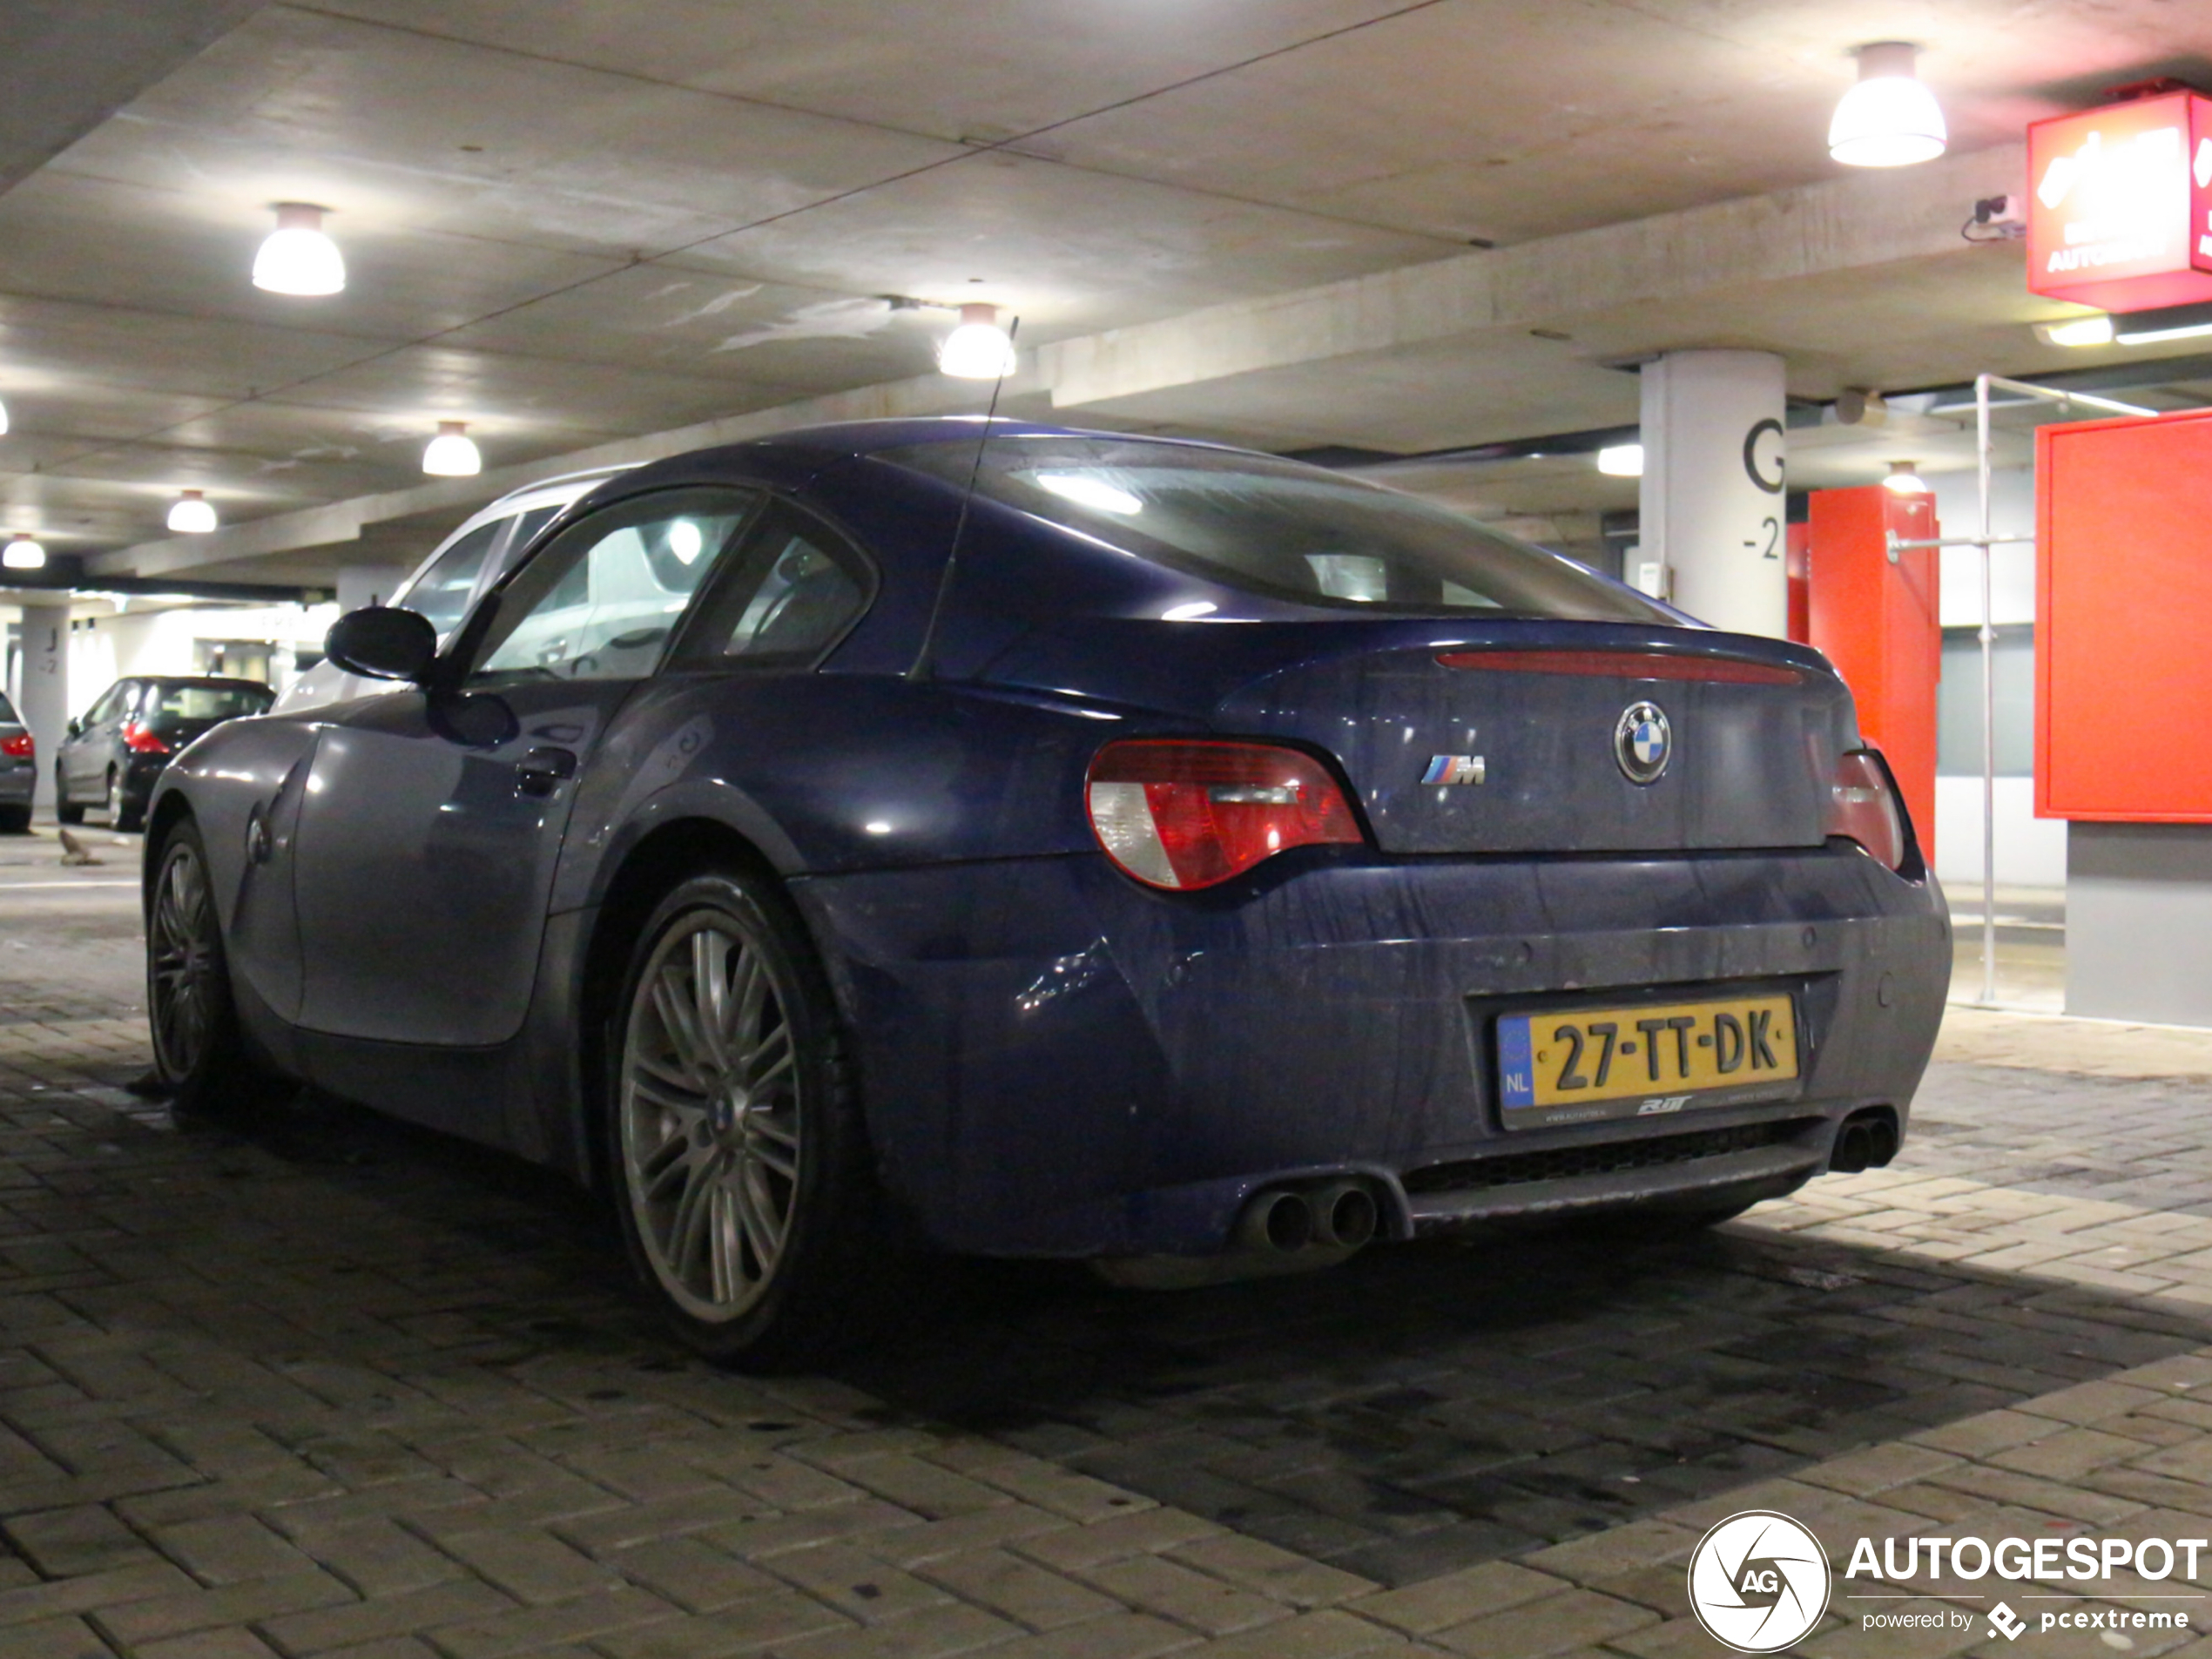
column 2123, row 661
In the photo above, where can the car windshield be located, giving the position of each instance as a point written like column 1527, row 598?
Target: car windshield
column 165, row 702
column 1279, row 528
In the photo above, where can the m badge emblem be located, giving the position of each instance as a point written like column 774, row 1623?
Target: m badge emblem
column 1454, row 769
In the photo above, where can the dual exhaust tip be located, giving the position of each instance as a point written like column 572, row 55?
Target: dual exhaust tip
column 1867, row 1141
column 1280, row 1230
column 1337, row 1218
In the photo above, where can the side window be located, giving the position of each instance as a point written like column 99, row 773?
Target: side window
column 442, row 593
column 601, row 599
column 797, row 587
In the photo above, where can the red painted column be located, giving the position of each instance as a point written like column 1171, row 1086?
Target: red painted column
column 1876, row 616
column 1798, row 537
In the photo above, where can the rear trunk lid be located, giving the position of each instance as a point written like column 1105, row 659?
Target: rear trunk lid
column 176, row 733
column 1508, row 736
column 1713, row 742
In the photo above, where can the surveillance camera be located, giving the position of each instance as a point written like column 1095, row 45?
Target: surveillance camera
column 1997, row 219
column 1857, row 406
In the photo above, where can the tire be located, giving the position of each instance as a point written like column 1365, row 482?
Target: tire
column 737, row 1156
column 65, row 811
column 14, row 821
column 121, row 815
column 198, row 1052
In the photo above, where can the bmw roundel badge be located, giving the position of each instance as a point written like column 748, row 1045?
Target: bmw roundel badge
column 1643, row 742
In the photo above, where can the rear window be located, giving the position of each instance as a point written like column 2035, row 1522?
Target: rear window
column 7, row 712
column 204, row 702
column 1279, row 528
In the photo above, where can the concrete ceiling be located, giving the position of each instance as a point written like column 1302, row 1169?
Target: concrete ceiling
column 580, row 225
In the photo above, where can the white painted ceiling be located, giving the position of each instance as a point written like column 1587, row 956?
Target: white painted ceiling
column 578, row 223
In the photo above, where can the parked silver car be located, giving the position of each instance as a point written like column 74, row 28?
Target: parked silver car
column 463, row 566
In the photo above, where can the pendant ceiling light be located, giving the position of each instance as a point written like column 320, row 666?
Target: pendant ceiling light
column 2076, row 331
column 1620, row 461
column 299, row 257
column 22, row 554
column 1903, row 480
column 192, row 514
column 452, row 453
column 1889, row 118
column 979, row 349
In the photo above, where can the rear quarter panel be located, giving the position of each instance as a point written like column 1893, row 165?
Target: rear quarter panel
column 245, row 774
column 827, row 773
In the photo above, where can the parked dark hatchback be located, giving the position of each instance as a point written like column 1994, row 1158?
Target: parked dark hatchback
column 1041, row 843
column 118, row 747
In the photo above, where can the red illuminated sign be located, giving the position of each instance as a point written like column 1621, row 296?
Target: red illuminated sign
column 2120, row 205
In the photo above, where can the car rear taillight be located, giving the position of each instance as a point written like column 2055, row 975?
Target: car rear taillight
column 20, row 746
column 140, row 740
column 1185, row 814
column 1862, row 806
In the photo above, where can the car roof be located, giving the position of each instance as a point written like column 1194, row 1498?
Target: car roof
column 865, row 437
column 557, row 491
column 792, row 456
column 224, row 681
column 562, row 487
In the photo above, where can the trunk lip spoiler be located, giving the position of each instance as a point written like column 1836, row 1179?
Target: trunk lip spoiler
column 1625, row 662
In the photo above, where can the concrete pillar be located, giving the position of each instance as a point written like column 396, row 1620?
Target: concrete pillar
column 1712, row 504
column 367, row 584
column 44, row 703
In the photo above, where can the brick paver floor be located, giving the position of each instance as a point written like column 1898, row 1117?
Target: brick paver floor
column 318, row 1383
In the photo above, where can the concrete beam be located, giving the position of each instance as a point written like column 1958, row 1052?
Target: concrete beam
column 66, row 65
column 1860, row 220
column 344, row 522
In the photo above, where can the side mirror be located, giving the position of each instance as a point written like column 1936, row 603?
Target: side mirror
column 383, row 643
column 76, row 728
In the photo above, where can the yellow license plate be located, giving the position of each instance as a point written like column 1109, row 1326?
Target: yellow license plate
column 1645, row 1060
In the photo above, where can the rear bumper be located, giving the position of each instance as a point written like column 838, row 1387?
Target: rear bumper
column 140, row 774
column 17, row 784
column 1059, row 1063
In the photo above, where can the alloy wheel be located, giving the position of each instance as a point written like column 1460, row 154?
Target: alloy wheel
column 185, row 962
column 711, row 1130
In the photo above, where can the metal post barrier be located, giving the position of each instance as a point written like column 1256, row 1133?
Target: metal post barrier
column 1985, row 541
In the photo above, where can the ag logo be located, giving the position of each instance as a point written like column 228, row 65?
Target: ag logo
column 1758, row 1581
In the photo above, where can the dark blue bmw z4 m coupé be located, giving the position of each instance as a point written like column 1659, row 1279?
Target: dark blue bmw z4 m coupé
column 1027, row 842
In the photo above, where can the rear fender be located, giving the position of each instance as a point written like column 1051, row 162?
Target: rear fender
column 242, row 783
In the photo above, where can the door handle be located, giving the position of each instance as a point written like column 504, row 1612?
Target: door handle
column 543, row 771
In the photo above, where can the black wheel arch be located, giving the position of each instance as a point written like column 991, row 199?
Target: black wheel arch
column 168, row 810
column 667, row 855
